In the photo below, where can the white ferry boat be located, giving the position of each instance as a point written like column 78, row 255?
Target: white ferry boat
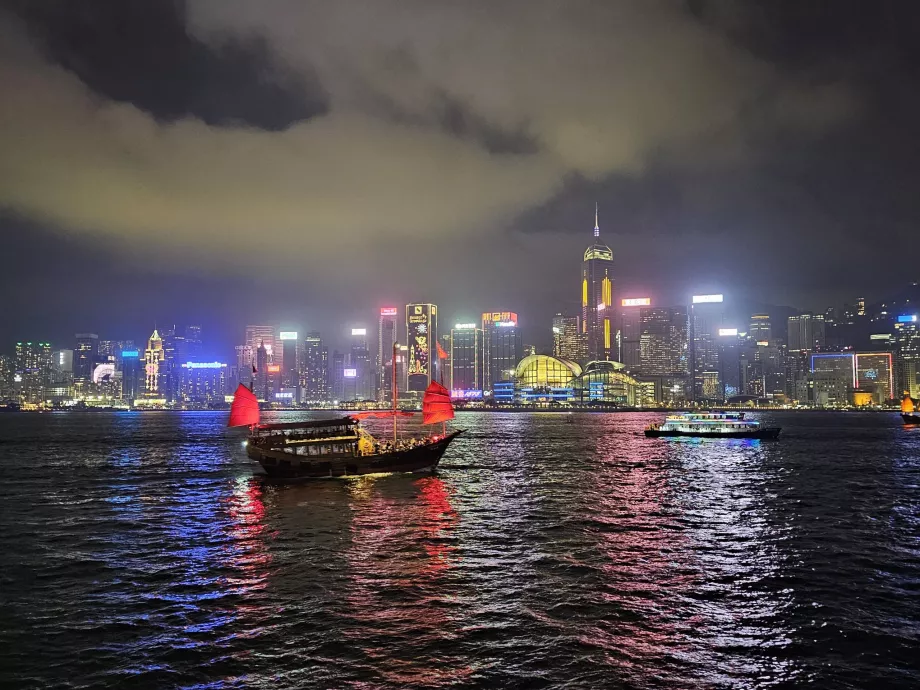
column 711, row 425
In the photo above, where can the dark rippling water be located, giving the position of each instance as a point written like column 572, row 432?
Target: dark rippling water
column 137, row 550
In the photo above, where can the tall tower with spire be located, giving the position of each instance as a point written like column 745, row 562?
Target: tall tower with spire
column 597, row 306
column 153, row 357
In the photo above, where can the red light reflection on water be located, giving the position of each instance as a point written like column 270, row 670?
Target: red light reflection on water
column 399, row 568
column 247, row 552
column 642, row 555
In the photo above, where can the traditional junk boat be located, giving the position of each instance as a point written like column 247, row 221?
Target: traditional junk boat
column 711, row 425
column 909, row 411
column 341, row 447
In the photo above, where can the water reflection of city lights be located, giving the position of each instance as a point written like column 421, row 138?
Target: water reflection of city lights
column 398, row 588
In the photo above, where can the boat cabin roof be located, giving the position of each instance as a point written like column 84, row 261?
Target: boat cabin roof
column 314, row 424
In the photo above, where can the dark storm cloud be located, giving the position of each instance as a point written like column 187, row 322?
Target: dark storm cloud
column 506, row 104
column 296, row 138
column 139, row 52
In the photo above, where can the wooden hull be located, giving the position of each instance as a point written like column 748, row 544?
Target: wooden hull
column 768, row 433
column 911, row 418
column 287, row 466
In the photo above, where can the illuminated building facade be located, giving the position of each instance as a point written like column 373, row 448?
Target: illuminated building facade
column 62, row 363
column 34, row 371
column 263, row 335
column 153, row 359
column 421, row 339
column 7, row 374
column 175, row 353
column 204, row 383
column 245, row 359
column 290, row 358
column 387, row 331
column 337, row 376
column 630, row 322
column 503, row 346
column 875, row 375
column 706, row 317
column 597, row 294
column 833, row 378
column 466, row 351
column 262, row 381
column 314, row 374
column 193, row 343
column 907, row 338
column 85, row 353
column 760, row 329
column 131, row 386
column 806, row 333
column 569, row 341
column 663, row 341
column 364, row 380
column 730, row 377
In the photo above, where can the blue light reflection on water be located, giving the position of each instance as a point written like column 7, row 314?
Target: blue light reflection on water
column 140, row 549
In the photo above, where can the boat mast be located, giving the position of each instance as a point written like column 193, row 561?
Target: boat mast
column 395, row 352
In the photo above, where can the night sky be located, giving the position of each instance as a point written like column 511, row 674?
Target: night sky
column 229, row 162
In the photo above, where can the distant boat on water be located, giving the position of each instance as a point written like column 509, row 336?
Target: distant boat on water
column 711, row 425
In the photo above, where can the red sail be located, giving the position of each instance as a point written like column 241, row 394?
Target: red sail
column 436, row 405
column 245, row 408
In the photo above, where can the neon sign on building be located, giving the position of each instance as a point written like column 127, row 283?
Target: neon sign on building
column 704, row 299
column 497, row 316
column 636, row 302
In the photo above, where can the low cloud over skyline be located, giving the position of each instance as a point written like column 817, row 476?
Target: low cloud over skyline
column 336, row 146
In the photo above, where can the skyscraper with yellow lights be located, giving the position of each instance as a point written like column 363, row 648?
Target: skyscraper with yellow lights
column 597, row 298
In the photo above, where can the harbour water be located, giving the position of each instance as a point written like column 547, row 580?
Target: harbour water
column 138, row 550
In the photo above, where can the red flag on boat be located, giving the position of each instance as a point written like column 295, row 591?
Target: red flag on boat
column 245, row 408
column 436, row 405
column 441, row 353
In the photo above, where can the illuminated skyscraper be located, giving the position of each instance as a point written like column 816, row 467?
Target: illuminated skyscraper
column 359, row 360
column 175, row 353
column 760, row 329
column 7, row 373
column 466, row 357
column 131, row 386
column 337, row 376
column 34, row 371
column 290, row 356
column 314, row 371
column 421, row 338
column 153, row 357
column 706, row 316
column 386, row 338
column 569, row 342
column 245, row 358
column 193, row 343
column 806, row 333
column 907, row 334
column 503, row 346
column 262, row 382
column 84, row 356
column 875, row 374
column 663, row 341
column 259, row 335
column 597, row 289
column 630, row 323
